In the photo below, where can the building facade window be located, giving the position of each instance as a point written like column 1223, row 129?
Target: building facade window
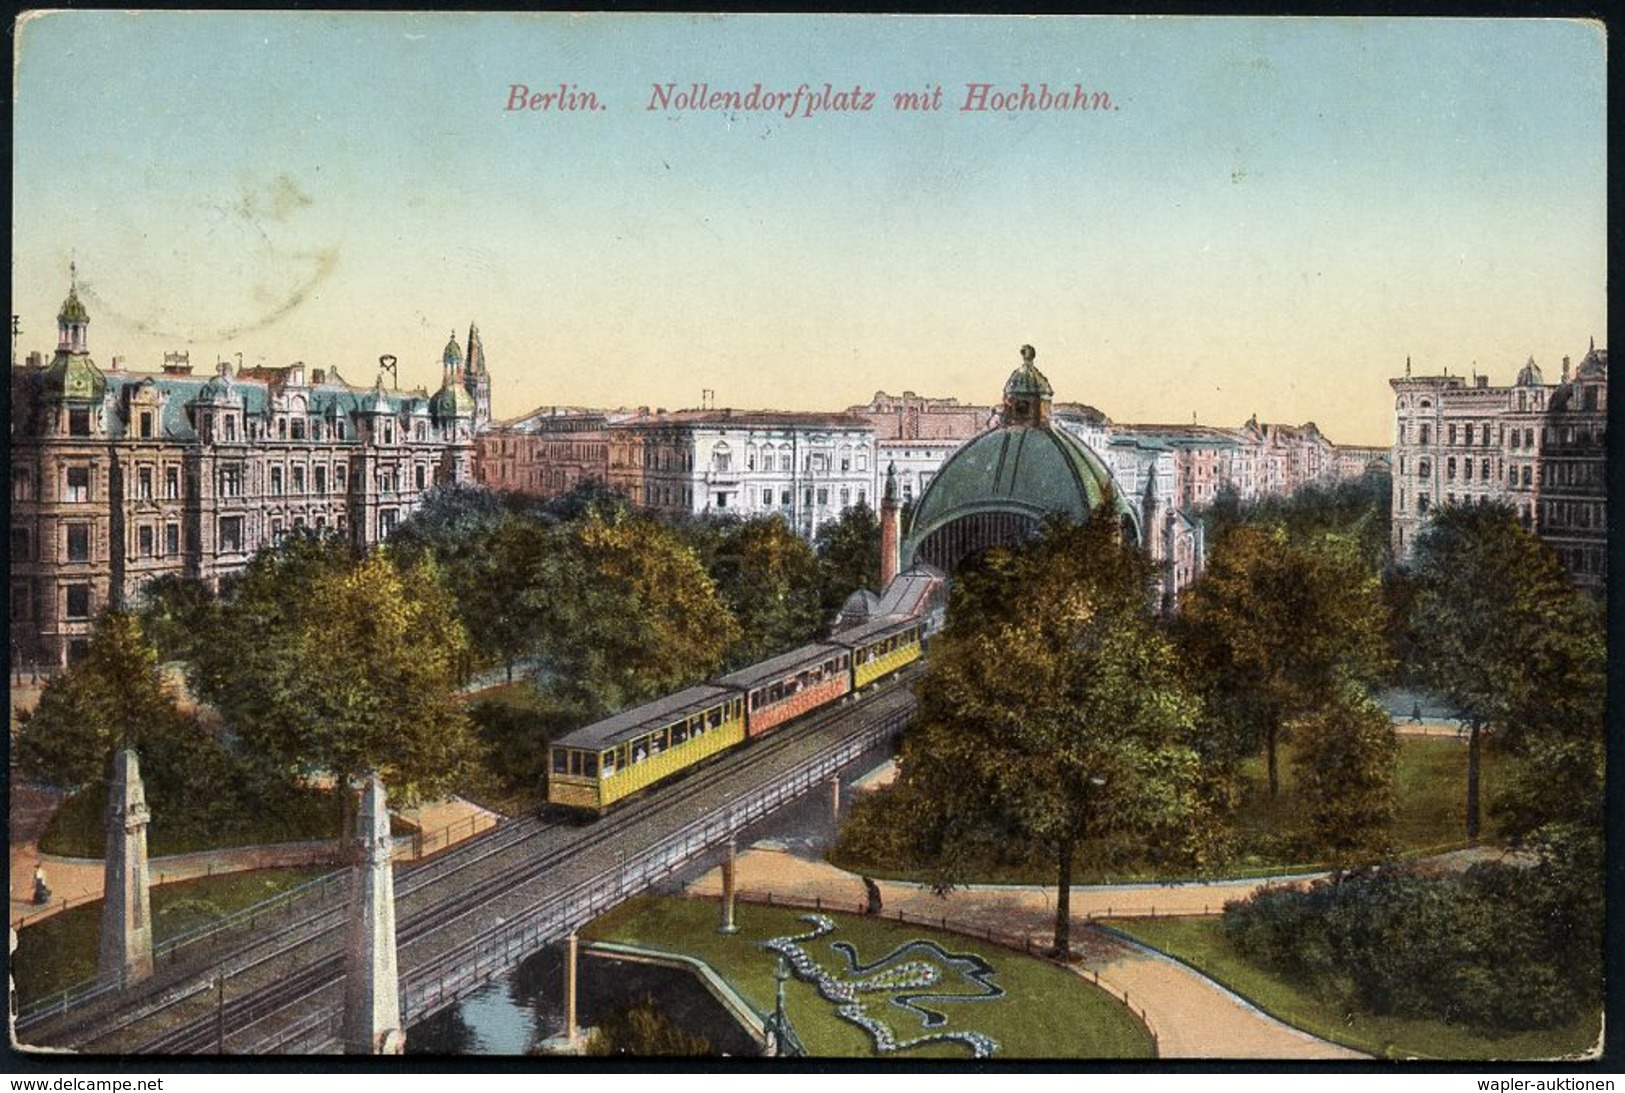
column 78, row 485
column 78, row 422
column 172, row 483
column 77, row 601
column 231, row 534
column 145, row 541
column 78, row 542
column 172, row 539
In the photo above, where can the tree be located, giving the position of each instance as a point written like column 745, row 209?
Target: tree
column 1503, row 636
column 248, row 664
column 1345, row 764
column 1052, row 710
column 379, row 649
column 174, row 611
column 625, row 613
column 765, row 574
column 320, row 662
column 115, row 698
column 1353, row 509
column 848, row 551
column 476, row 541
column 1271, row 629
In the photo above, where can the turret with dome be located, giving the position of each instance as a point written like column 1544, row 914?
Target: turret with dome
column 72, row 375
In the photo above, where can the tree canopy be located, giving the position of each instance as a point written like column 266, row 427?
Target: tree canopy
column 848, row 551
column 1052, row 710
column 1272, row 628
column 767, row 578
column 1504, row 637
column 626, row 613
column 320, row 661
column 115, row 698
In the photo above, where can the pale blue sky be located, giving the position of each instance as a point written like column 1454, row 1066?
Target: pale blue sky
column 1276, row 214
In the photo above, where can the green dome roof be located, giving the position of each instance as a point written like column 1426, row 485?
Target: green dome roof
column 72, row 310
column 74, row 376
column 452, row 400
column 1019, row 469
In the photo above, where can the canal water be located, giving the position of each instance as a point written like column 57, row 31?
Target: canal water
column 516, row 1014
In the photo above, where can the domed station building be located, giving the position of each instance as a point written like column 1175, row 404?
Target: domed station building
column 997, row 489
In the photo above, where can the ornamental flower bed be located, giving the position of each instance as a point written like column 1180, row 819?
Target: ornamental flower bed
column 904, row 981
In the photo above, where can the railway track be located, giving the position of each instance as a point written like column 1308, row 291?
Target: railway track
column 299, row 963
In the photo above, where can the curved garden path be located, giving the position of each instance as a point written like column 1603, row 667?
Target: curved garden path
column 1192, row 1016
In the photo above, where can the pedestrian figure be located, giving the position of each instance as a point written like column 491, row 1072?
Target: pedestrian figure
column 1416, row 713
column 873, row 889
column 42, row 891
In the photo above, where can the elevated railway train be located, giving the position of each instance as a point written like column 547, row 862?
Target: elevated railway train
column 597, row 766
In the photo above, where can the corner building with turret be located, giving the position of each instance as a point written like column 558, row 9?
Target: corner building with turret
column 1537, row 446
column 119, row 477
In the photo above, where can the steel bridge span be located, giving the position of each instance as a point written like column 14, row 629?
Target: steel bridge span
column 275, row 985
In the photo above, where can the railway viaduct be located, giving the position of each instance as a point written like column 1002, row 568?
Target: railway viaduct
column 272, row 980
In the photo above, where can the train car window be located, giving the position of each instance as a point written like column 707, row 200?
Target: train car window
column 714, row 718
column 608, row 763
column 679, row 733
column 561, row 761
column 589, row 764
column 696, row 724
column 641, row 752
column 575, row 762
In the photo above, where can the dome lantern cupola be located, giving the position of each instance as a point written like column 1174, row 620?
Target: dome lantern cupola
column 72, row 319
column 451, row 359
column 72, row 374
column 1027, row 394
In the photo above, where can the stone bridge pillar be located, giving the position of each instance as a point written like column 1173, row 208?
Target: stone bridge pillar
column 372, row 1003
column 727, row 926
column 571, row 958
column 126, row 938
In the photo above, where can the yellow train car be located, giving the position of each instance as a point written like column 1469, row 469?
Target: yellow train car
column 881, row 647
column 599, row 764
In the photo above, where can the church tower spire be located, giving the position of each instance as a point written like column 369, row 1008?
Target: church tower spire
column 477, row 379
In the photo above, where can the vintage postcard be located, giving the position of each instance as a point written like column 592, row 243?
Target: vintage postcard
column 856, row 538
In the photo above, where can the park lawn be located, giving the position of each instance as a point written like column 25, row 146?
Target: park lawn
column 1200, row 942
column 60, row 951
column 1430, row 815
column 1047, row 1011
column 1430, row 797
